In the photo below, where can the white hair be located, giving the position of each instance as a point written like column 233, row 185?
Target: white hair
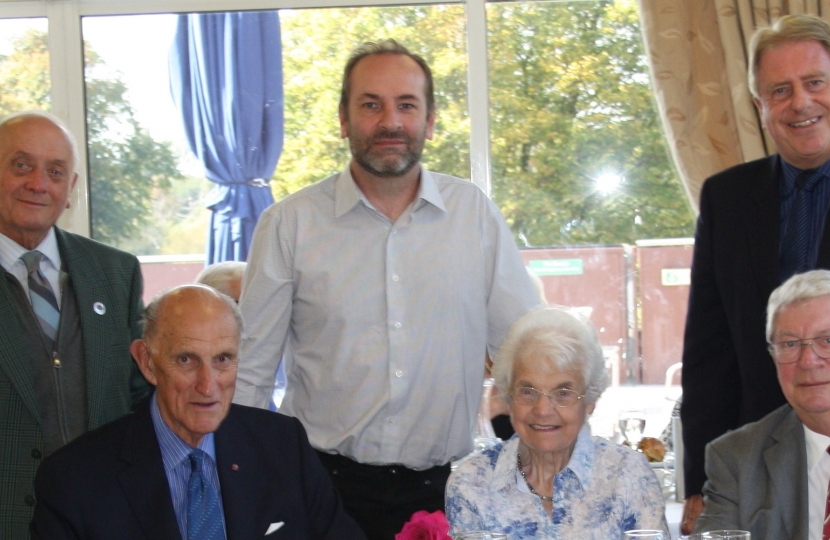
column 798, row 288
column 558, row 341
column 220, row 275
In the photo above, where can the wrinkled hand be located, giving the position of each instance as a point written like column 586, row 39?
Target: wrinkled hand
column 691, row 510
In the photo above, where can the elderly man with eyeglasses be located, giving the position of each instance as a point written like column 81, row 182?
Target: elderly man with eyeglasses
column 771, row 477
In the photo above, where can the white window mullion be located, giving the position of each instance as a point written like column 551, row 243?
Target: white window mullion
column 66, row 66
column 478, row 93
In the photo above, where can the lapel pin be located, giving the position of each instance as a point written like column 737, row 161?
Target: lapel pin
column 234, row 467
column 99, row 308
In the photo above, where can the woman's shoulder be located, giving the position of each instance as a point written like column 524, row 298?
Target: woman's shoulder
column 610, row 452
column 484, row 460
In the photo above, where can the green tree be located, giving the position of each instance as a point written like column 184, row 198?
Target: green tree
column 127, row 168
column 570, row 101
column 316, row 44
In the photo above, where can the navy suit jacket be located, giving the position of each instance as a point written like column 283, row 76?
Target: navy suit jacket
column 729, row 377
column 110, row 483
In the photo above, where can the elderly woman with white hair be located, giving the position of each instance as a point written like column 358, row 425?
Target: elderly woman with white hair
column 553, row 479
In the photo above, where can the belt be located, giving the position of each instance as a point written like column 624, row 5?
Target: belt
column 335, row 462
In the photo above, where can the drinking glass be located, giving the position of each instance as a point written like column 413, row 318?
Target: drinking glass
column 480, row 535
column 645, row 534
column 632, row 425
column 730, row 535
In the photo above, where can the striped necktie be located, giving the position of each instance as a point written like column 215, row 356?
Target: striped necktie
column 795, row 248
column 204, row 516
column 44, row 302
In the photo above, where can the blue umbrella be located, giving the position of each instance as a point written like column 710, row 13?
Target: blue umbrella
column 226, row 80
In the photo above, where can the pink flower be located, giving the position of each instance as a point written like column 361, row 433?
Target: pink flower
column 425, row 526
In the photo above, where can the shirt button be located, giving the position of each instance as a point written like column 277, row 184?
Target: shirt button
column 36, row 454
column 56, row 362
column 398, row 325
column 29, row 500
column 392, row 420
column 399, row 373
column 396, row 278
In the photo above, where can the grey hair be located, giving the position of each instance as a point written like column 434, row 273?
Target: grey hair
column 557, row 341
column 387, row 46
column 797, row 289
column 54, row 120
column 787, row 29
column 220, row 275
column 152, row 313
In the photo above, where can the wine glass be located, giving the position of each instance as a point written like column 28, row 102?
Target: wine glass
column 645, row 534
column 632, row 425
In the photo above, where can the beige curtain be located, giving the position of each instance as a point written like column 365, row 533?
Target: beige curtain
column 697, row 50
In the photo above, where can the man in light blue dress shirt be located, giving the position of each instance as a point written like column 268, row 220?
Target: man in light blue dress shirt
column 388, row 283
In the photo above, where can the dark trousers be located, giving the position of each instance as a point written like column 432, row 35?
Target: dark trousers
column 382, row 498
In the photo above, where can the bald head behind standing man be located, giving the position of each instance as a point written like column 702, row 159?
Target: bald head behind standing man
column 69, row 309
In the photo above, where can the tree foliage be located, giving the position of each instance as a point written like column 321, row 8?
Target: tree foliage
column 570, row 100
column 316, row 45
column 127, row 168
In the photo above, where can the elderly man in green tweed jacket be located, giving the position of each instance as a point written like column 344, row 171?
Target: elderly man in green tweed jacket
column 69, row 309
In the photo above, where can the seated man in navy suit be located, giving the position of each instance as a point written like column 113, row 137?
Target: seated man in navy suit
column 188, row 464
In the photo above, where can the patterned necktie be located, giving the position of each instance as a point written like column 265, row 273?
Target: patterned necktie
column 204, row 516
column 44, row 303
column 795, row 249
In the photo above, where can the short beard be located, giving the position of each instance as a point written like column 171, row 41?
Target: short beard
column 383, row 168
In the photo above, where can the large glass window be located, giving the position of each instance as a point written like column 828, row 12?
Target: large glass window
column 577, row 159
column 24, row 65
column 148, row 190
column 582, row 174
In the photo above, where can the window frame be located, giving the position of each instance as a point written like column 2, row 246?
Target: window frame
column 67, row 67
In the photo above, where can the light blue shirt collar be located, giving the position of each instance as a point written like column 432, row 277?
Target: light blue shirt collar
column 581, row 463
column 347, row 194
column 10, row 251
column 173, row 449
column 50, row 264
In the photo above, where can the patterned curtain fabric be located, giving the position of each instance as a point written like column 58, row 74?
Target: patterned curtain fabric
column 698, row 56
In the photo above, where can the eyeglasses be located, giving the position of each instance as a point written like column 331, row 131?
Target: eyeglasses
column 787, row 352
column 561, row 397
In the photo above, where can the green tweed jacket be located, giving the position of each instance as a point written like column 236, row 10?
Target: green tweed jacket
column 100, row 274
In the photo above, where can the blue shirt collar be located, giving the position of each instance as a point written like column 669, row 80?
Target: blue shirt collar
column 581, row 463
column 789, row 173
column 173, row 449
column 10, row 251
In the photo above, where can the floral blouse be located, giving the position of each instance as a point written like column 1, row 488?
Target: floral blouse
column 604, row 490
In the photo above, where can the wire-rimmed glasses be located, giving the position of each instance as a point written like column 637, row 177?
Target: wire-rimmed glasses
column 560, row 397
column 789, row 350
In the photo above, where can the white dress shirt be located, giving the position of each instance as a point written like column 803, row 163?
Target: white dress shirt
column 388, row 322
column 50, row 264
column 818, row 476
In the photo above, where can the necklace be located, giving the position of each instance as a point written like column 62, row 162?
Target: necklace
column 519, row 468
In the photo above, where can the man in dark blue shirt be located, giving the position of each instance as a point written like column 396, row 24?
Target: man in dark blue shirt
column 759, row 223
